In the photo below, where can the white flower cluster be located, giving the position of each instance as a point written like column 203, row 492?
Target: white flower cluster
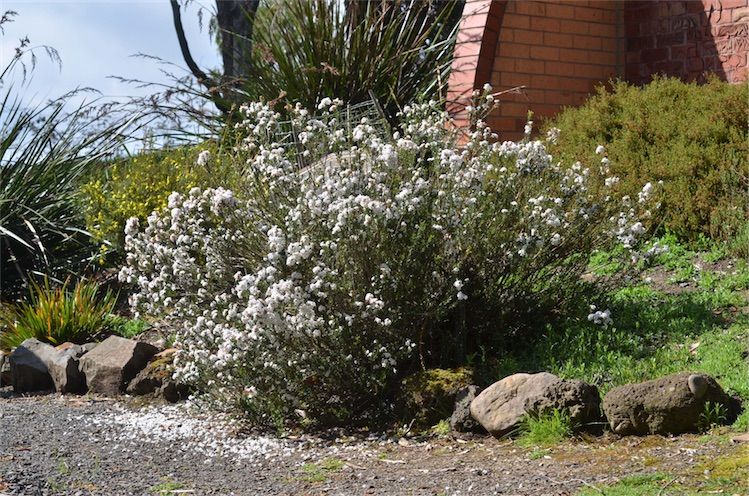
column 321, row 283
column 600, row 317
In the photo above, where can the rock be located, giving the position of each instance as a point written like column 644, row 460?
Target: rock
column 89, row 346
column 28, row 366
column 669, row 405
column 156, row 378
column 63, row 367
column 111, row 366
column 428, row 397
column 741, row 438
column 501, row 407
column 5, row 377
column 461, row 419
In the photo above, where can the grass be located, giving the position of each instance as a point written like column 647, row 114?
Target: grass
column 657, row 330
column 636, row 485
column 320, row 471
column 722, row 475
column 546, row 429
column 166, row 487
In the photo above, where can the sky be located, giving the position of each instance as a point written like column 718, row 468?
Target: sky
column 97, row 38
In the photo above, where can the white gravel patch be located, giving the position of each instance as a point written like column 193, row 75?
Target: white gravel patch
column 186, row 430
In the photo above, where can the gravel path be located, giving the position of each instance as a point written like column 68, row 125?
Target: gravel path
column 80, row 446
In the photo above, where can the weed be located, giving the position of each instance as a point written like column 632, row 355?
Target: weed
column 166, row 487
column 62, row 467
column 545, row 429
column 320, row 471
column 442, row 428
column 637, row 485
column 714, row 414
column 127, row 328
column 538, row 453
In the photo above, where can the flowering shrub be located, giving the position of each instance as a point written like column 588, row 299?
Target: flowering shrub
column 138, row 185
column 308, row 298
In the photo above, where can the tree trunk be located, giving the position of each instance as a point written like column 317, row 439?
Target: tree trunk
column 235, row 20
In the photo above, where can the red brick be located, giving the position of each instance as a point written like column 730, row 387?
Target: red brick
column 545, row 24
column 654, row 54
column 575, row 27
column 587, row 42
column 526, row 36
column 741, row 14
column 512, row 79
column 504, row 65
column 670, row 67
column 730, row 4
column 632, row 73
column 558, row 40
column 631, row 29
column 514, row 109
column 560, row 11
column 563, row 97
column 589, row 14
column 590, row 71
column 473, row 21
column 609, row 44
column 560, row 69
column 575, row 84
column 608, row 30
column 663, row 40
column 516, row 21
column 544, row 53
column 572, row 55
column 530, row 8
column 602, row 58
column 633, row 57
column 501, row 123
column 529, row 66
column 514, row 50
column 546, row 82
column 470, row 35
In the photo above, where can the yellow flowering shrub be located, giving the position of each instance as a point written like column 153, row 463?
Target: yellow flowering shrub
column 138, row 185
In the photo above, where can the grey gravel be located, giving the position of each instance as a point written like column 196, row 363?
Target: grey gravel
column 69, row 445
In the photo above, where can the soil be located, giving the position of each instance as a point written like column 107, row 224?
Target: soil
column 53, row 444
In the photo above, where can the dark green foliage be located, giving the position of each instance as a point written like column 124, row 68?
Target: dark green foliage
column 693, row 137
column 306, row 50
column 44, row 152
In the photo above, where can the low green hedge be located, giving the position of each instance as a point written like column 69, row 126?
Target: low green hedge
column 693, row 137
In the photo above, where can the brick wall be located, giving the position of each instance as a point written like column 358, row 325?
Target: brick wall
column 687, row 39
column 559, row 50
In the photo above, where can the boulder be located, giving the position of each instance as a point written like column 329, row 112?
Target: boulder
column 28, row 366
column 501, row 407
column 64, row 369
column 428, row 397
column 89, row 346
column 5, row 377
column 111, row 366
column 461, row 420
column 156, row 378
column 669, row 405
